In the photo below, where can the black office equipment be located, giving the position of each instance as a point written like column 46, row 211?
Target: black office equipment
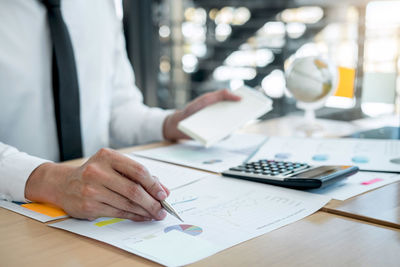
column 290, row 174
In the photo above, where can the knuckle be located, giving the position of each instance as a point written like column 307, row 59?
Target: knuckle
column 90, row 170
column 104, row 152
column 155, row 207
column 88, row 191
column 88, row 207
column 154, row 188
column 142, row 171
column 134, row 192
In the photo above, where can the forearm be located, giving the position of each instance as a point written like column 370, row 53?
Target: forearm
column 45, row 184
column 15, row 168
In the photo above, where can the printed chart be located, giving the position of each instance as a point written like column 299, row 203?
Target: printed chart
column 229, row 152
column 214, row 219
column 357, row 184
column 185, row 228
column 367, row 154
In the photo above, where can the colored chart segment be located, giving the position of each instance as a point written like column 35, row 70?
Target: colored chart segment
column 360, row 159
column 282, row 156
column 185, row 228
column 372, row 181
column 108, row 222
column 45, row 209
column 320, row 157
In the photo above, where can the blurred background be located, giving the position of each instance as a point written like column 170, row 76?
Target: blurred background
column 183, row 48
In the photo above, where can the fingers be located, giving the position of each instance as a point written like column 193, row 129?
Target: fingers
column 163, row 186
column 105, row 210
column 209, row 99
column 138, row 173
column 121, row 184
column 227, row 95
column 135, row 193
column 106, row 196
column 133, row 171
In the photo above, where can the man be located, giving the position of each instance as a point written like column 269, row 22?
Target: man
column 51, row 46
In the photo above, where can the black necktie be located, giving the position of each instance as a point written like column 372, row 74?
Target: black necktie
column 65, row 85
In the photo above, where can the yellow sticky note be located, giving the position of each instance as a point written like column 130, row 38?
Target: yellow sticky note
column 346, row 82
column 45, row 209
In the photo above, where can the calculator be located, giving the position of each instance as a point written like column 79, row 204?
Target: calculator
column 290, row 174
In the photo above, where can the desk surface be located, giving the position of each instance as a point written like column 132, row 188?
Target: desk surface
column 314, row 241
column 380, row 206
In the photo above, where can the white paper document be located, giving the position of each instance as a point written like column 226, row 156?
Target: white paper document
column 36, row 211
column 229, row 152
column 356, row 184
column 367, row 154
column 219, row 120
column 218, row 213
column 170, row 175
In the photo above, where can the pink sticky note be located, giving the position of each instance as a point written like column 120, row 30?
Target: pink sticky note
column 372, row 181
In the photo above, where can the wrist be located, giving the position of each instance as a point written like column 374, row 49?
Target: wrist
column 170, row 126
column 45, row 183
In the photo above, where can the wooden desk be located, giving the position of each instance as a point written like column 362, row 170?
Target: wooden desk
column 380, row 206
column 318, row 240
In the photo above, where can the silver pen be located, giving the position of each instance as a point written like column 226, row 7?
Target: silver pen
column 170, row 209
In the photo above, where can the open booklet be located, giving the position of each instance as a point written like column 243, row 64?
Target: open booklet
column 221, row 119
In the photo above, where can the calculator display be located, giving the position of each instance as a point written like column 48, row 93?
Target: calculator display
column 319, row 171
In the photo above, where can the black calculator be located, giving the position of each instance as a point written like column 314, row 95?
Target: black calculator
column 290, row 174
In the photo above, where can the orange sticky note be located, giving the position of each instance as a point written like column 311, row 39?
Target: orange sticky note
column 45, row 209
column 346, row 82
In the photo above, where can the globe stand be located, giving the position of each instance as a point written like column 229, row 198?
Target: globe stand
column 309, row 127
column 311, row 80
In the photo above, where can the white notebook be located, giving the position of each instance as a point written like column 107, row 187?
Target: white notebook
column 217, row 121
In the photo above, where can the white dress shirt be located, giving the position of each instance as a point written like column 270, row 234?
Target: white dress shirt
column 112, row 109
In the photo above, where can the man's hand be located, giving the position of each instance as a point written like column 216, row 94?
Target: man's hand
column 109, row 184
column 170, row 129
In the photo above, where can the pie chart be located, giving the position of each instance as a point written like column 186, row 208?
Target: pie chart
column 185, row 228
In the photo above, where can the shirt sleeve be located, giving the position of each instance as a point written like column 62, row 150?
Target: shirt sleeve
column 131, row 121
column 15, row 169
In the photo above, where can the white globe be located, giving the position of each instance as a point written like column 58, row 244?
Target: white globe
column 311, row 79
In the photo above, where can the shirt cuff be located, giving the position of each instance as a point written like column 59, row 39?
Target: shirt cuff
column 15, row 170
column 153, row 130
